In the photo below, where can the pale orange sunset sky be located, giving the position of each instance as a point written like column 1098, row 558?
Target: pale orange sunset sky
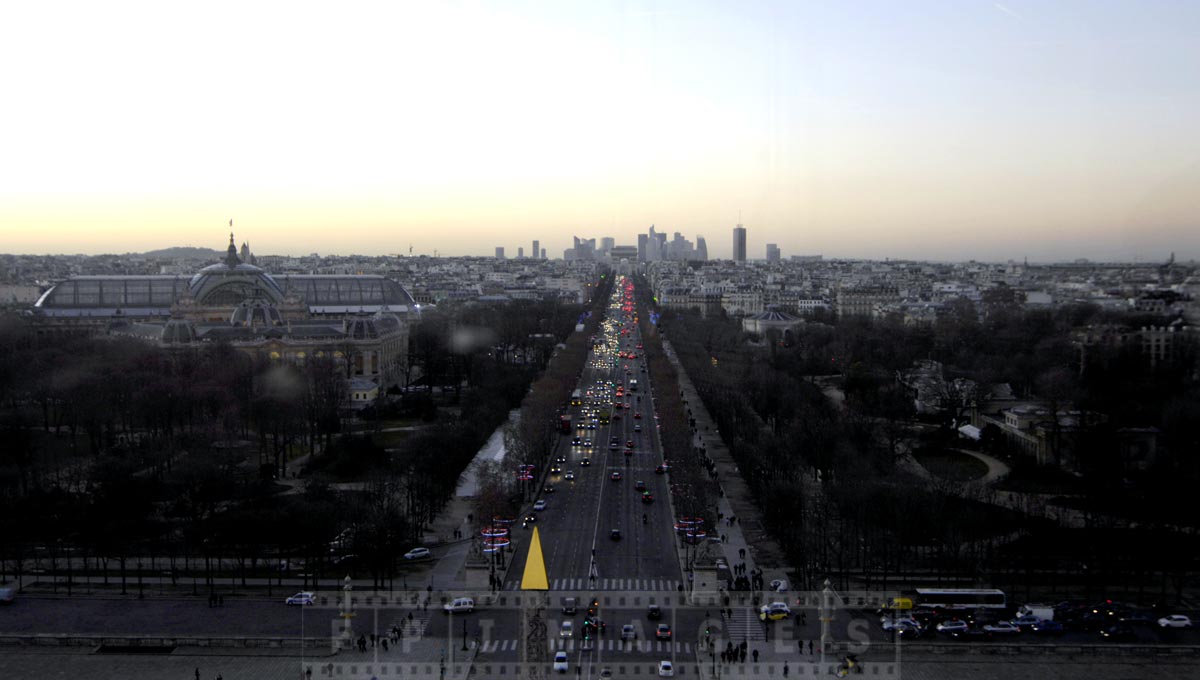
column 939, row 130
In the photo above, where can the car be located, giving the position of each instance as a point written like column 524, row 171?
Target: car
column 637, row 428
column 665, row 669
column 576, row 441
column 585, row 462
column 971, row 635
column 1048, row 627
column 555, row 469
column 629, row 444
column 569, row 606
column 774, row 611
column 1001, row 628
column 567, row 629
column 1121, row 632
column 647, row 497
column 615, row 476
column 460, row 605
column 890, row 624
column 637, row 415
column 1175, row 621
column 952, row 626
column 560, row 459
column 560, row 662
column 628, row 632
column 569, row 476
column 662, row 631
column 779, row 585
column 417, row 554
column 653, row 612
column 1025, row 622
column 587, row 443
column 615, row 534
column 540, row 505
column 606, row 672
column 549, row 488
column 662, row 469
column 302, row 599
column 530, row 518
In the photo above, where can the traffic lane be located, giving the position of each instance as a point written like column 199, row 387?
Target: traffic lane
column 93, row 616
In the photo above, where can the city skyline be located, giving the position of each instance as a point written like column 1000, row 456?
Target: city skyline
column 986, row 131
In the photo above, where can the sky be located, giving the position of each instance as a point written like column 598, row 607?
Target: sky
column 948, row 130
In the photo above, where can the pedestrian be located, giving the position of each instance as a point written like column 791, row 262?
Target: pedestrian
column 742, row 553
column 373, row 639
column 785, row 669
column 803, row 618
column 755, row 655
column 810, row 647
column 197, row 673
column 384, row 644
column 742, row 656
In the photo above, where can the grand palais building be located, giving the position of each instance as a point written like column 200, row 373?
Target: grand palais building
column 362, row 319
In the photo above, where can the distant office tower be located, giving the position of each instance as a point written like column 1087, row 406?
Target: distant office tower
column 520, row 253
column 543, row 253
column 499, row 252
column 643, row 247
column 701, row 249
column 739, row 243
column 607, row 243
column 772, row 252
column 536, row 250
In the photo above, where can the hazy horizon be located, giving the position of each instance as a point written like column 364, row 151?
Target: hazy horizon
column 919, row 131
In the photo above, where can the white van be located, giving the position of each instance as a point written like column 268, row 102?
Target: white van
column 460, row 605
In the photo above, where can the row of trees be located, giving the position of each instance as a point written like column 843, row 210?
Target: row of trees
column 816, row 425
column 126, row 452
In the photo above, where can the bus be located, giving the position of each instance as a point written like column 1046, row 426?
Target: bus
column 961, row 598
column 577, row 398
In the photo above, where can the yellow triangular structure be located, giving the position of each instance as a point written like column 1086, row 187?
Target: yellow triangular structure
column 534, row 577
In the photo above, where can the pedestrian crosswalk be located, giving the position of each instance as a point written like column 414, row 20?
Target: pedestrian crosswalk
column 745, row 625
column 605, row 645
column 643, row 584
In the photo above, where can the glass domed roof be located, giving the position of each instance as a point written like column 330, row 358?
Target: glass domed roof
column 228, row 283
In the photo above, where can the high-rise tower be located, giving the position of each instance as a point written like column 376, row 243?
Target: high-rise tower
column 739, row 243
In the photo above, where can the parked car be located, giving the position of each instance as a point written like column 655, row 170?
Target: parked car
column 560, row 662
column 417, row 554
column 302, row 599
column 1175, row 621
